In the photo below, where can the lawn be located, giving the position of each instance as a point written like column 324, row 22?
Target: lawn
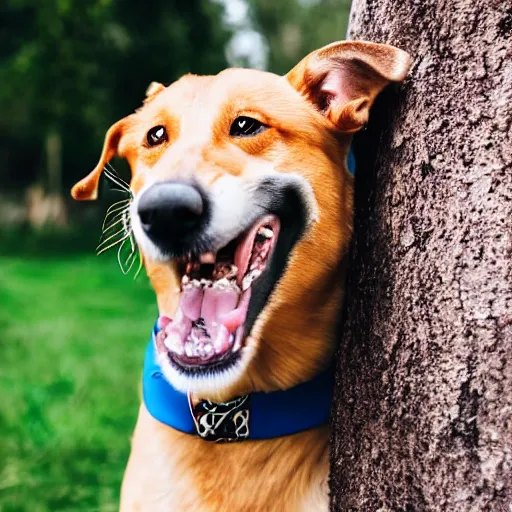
column 73, row 330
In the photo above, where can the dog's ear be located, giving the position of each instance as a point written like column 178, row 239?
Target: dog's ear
column 343, row 79
column 153, row 89
column 87, row 188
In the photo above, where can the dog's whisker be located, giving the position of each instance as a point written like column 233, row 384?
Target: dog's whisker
column 118, row 186
column 113, row 244
column 132, row 243
column 140, row 257
column 117, row 218
column 118, row 205
column 111, row 221
column 111, row 174
column 141, row 264
column 119, row 215
column 115, row 173
column 113, row 214
column 114, row 218
column 110, row 168
column 130, row 260
column 111, row 237
column 127, row 200
column 111, row 225
column 118, row 189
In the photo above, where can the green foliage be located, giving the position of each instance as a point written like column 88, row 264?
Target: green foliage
column 73, row 68
column 73, row 331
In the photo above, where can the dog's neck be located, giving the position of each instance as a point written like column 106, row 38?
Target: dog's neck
column 254, row 416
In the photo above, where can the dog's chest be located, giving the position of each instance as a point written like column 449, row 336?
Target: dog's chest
column 171, row 471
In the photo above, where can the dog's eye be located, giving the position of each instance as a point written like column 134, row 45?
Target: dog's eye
column 244, row 126
column 156, row 135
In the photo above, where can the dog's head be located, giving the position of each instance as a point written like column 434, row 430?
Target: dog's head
column 242, row 210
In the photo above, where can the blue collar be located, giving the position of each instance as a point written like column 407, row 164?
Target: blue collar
column 256, row 416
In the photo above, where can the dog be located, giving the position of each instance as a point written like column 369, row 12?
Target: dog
column 242, row 211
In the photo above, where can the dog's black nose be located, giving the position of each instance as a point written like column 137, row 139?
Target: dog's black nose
column 170, row 211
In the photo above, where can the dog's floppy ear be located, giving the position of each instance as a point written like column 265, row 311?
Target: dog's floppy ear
column 87, row 188
column 343, row 79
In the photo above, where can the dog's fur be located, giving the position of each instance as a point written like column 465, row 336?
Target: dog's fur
column 311, row 113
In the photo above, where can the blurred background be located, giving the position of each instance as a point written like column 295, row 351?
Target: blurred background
column 73, row 328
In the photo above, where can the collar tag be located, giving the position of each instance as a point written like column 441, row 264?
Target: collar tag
column 221, row 422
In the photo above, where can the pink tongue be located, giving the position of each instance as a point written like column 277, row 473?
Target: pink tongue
column 216, row 303
column 219, row 311
column 190, row 303
column 236, row 317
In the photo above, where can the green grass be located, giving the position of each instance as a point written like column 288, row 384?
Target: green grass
column 73, row 330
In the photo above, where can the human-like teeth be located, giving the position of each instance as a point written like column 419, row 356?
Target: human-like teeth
column 189, row 349
column 238, row 339
column 206, row 283
column 222, row 339
column 221, row 284
column 225, row 284
column 265, row 232
column 194, row 348
column 232, row 272
column 173, row 343
column 185, row 280
column 249, row 278
column 256, row 263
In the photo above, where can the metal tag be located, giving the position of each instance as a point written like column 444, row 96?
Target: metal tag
column 227, row 421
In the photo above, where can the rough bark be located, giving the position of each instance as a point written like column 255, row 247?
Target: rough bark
column 422, row 415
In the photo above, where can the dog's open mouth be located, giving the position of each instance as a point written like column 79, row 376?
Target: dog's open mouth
column 208, row 328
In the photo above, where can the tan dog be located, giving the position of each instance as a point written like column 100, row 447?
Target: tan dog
column 240, row 180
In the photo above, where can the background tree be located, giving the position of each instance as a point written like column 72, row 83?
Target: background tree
column 423, row 404
column 294, row 28
column 69, row 69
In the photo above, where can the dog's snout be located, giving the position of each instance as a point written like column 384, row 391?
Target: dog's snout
column 170, row 210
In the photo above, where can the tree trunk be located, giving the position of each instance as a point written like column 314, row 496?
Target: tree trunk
column 422, row 414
